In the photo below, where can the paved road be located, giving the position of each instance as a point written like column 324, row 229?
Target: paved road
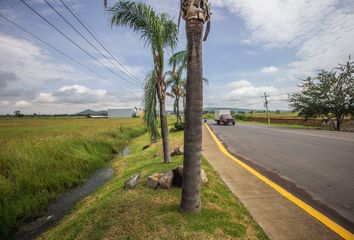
column 317, row 166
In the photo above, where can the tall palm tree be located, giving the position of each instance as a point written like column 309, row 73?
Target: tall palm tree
column 195, row 13
column 177, row 84
column 158, row 32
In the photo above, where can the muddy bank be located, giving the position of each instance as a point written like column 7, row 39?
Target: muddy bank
column 65, row 202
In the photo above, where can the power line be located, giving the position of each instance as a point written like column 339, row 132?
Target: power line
column 61, row 52
column 77, row 17
column 279, row 100
column 78, row 32
column 72, row 41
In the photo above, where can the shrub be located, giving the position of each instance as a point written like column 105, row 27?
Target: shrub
column 179, row 127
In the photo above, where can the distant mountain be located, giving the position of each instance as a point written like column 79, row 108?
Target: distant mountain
column 88, row 112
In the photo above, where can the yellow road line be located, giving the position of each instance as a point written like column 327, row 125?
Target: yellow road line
column 310, row 210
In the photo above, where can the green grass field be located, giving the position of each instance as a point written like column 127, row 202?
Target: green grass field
column 41, row 158
column 142, row 213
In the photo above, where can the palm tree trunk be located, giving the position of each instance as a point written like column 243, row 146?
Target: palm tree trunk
column 161, row 92
column 184, row 107
column 177, row 111
column 193, row 119
column 164, row 132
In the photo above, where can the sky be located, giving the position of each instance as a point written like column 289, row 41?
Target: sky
column 254, row 46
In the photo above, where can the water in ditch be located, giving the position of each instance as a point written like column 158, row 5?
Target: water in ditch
column 65, row 202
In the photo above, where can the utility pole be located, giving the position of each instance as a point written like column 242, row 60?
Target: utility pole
column 266, row 106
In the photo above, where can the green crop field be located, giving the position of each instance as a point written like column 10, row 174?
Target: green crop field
column 41, row 158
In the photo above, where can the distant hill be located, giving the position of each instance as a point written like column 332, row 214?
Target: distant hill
column 88, row 112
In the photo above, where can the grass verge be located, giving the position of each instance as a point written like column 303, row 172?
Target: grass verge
column 142, row 213
column 42, row 158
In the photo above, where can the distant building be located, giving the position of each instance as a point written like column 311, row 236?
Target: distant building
column 120, row 113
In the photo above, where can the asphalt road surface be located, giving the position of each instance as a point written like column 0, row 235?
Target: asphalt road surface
column 315, row 165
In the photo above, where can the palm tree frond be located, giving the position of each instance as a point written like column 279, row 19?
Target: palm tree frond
column 179, row 59
column 150, row 101
column 206, row 81
column 156, row 30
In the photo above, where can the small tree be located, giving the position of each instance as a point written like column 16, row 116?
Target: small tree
column 330, row 95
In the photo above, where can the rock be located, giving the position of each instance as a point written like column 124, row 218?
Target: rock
column 166, row 180
column 178, row 176
column 203, row 176
column 153, row 180
column 177, row 151
column 132, row 181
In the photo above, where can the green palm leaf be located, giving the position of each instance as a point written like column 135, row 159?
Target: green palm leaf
column 150, row 106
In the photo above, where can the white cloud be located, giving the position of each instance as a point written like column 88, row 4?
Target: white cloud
column 79, row 89
column 244, row 94
column 280, row 21
column 79, row 94
column 4, row 103
column 23, row 104
column 270, row 69
column 239, row 84
column 320, row 32
column 45, row 98
column 32, row 65
column 72, row 99
column 244, row 90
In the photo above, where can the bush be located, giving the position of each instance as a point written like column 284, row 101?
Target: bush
column 179, row 127
column 208, row 116
column 241, row 117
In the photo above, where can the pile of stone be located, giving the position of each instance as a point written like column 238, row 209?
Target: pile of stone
column 169, row 178
column 164, row 180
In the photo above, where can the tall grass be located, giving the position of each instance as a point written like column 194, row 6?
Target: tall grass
column 42, row 158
